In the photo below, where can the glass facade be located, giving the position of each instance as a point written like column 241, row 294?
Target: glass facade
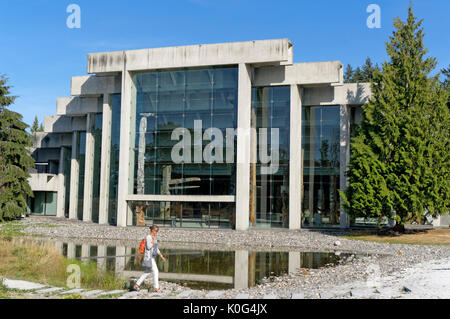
column 81, row 156
column 67, row 168
column 195, row 100
column 271, row 111
column 43, row 203
column 114, row 158
column 189, row 214
column 321, row 166
column 97, row 134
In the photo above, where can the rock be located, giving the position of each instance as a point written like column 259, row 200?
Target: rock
column 406, row 290
column 22, row 285
column 337, row 243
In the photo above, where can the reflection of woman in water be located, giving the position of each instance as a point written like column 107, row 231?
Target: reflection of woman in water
column 149, row 263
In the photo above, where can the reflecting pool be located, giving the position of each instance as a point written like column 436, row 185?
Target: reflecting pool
column 203, row 268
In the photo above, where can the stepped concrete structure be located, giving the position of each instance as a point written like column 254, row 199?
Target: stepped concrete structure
column 109, row 155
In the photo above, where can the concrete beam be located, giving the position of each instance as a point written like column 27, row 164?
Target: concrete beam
column 77, row 106
column 51, row 140
column 182, row 198
column 43, row 182
column 315, row 73
column 91, row 85
column 251, row 52
column 64, row 124
column 348, row 94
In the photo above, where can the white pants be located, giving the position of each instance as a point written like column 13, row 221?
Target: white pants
column 154, row 270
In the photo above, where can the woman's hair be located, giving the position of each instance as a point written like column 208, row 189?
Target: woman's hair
column 154, row 227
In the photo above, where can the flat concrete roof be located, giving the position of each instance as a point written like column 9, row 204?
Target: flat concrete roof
column 264, row 52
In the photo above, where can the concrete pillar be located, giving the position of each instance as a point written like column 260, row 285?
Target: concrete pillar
column 74, row 177
column 61, row 201
column 126, row 156
column 295, row 163
column 294, row 262
column 241, row 269
column 243, row 147
column 105, row 161
column 344, row 158
column 89, row 169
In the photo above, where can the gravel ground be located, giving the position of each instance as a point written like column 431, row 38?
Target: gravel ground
column 383, row 262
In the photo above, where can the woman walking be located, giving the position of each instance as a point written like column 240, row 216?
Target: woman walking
column 149, row 263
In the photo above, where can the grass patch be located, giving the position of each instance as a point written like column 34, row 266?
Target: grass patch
column 40, row 262
column 440, row 237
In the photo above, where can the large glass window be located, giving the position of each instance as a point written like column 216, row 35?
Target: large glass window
column 114, row 158
column 43, row 203
column 270, row 189
column 97, row 134
column 195, row 100
column 188, row 214
column 321, row 166
column 81, row 162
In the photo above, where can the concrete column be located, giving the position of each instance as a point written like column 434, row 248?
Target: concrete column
column 127, row 128
column 74, row 177
column 89, row 169
column 105, row 161
column 241, row 269
column 294, row 262
column 295, row 163
column 61, row 201
column 243, row 147
column 344, row 158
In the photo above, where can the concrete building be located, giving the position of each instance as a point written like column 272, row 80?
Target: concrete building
column 108, row 154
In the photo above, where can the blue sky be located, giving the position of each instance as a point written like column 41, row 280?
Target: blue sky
column 40, row 53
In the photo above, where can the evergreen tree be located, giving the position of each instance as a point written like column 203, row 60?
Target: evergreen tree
column 15, row 159
column 360, row 74
column 399, row 163
column 41, row 128
column 35, row 126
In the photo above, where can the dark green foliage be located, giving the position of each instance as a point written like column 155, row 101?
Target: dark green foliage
column 400, row 154
column 15, row 159
column 36, row 127
column 360, row 74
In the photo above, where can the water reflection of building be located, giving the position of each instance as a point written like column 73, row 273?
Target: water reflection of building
column 199, row 269
column 106, row 156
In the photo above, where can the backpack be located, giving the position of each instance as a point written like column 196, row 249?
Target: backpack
column 142, row 247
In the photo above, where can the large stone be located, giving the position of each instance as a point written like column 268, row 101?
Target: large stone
column 22, row 285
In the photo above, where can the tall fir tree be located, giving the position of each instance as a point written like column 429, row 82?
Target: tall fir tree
column 35, row 127
column 15, row 159
column 399, row 165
